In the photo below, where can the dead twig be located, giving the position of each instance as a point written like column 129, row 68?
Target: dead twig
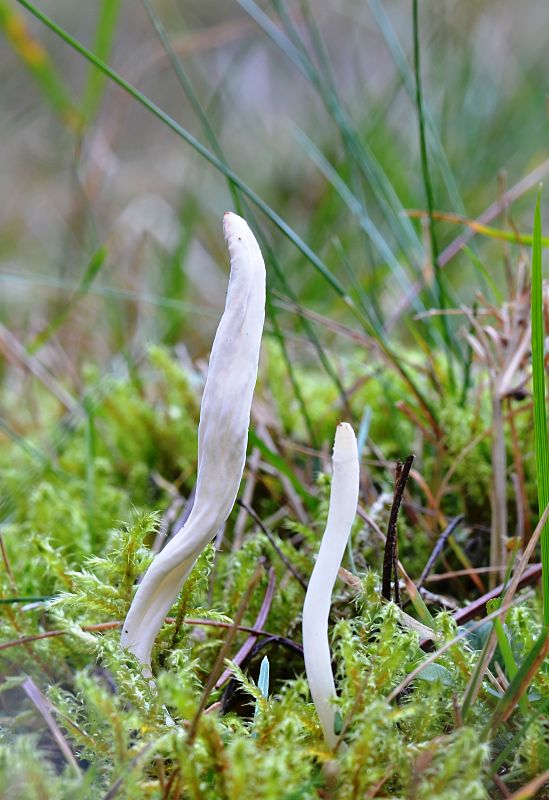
column 105, row 626
column 390, row 560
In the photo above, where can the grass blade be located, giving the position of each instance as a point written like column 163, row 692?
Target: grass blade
column 441, row 292
column 508, row 657
column 358, row 153
column 513, row 743
column 401, row 62
column 104, row 35
column 280, row 464
column 540, row 410
column 243, row 208
column 357, row 208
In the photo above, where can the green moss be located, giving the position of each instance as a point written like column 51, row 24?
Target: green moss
column 79, row 525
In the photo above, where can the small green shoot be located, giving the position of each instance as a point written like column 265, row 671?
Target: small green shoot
column 262, row 683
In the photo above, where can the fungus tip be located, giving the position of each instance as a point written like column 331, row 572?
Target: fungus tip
column 345, row 446
column 233, row 225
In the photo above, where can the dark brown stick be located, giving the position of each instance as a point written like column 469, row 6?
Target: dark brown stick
column 390, row 559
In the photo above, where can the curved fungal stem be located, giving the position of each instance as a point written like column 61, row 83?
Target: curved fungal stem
column 222, row 440
column 316, row 609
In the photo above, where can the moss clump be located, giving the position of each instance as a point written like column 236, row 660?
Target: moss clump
column 78, row 527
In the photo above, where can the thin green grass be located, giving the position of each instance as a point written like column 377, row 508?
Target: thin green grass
column 540, row 405
column 519, row 682
column 357, row 150
column 358, row 154
column 104, row 36
column 243, row 208
column 439, row 281
column 507, row 654
column 358, row 209
column 409, row 82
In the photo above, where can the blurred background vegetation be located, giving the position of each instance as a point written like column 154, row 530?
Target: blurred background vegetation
column 321, row 122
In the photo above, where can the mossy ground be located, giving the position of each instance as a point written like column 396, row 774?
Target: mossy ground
column 82, row 517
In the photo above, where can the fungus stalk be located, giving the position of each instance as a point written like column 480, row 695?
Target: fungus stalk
column 316, row 609
column 222, row 440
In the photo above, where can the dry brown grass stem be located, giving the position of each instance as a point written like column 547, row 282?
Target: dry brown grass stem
column 15, row 352
column 247, row 497
column 450, row 312
column 294, row 499
column 488, row 348
column 44, row 706
column 224, row 650
column 459, row 573
column 506, row 199
column 416, row 420
column 532, row 787
column 106, row 626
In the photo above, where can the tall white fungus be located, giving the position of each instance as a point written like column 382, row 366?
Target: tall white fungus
column 222, row 439
column 316, row 609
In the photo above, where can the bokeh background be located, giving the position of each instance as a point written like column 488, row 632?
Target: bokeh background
column 85, row 167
